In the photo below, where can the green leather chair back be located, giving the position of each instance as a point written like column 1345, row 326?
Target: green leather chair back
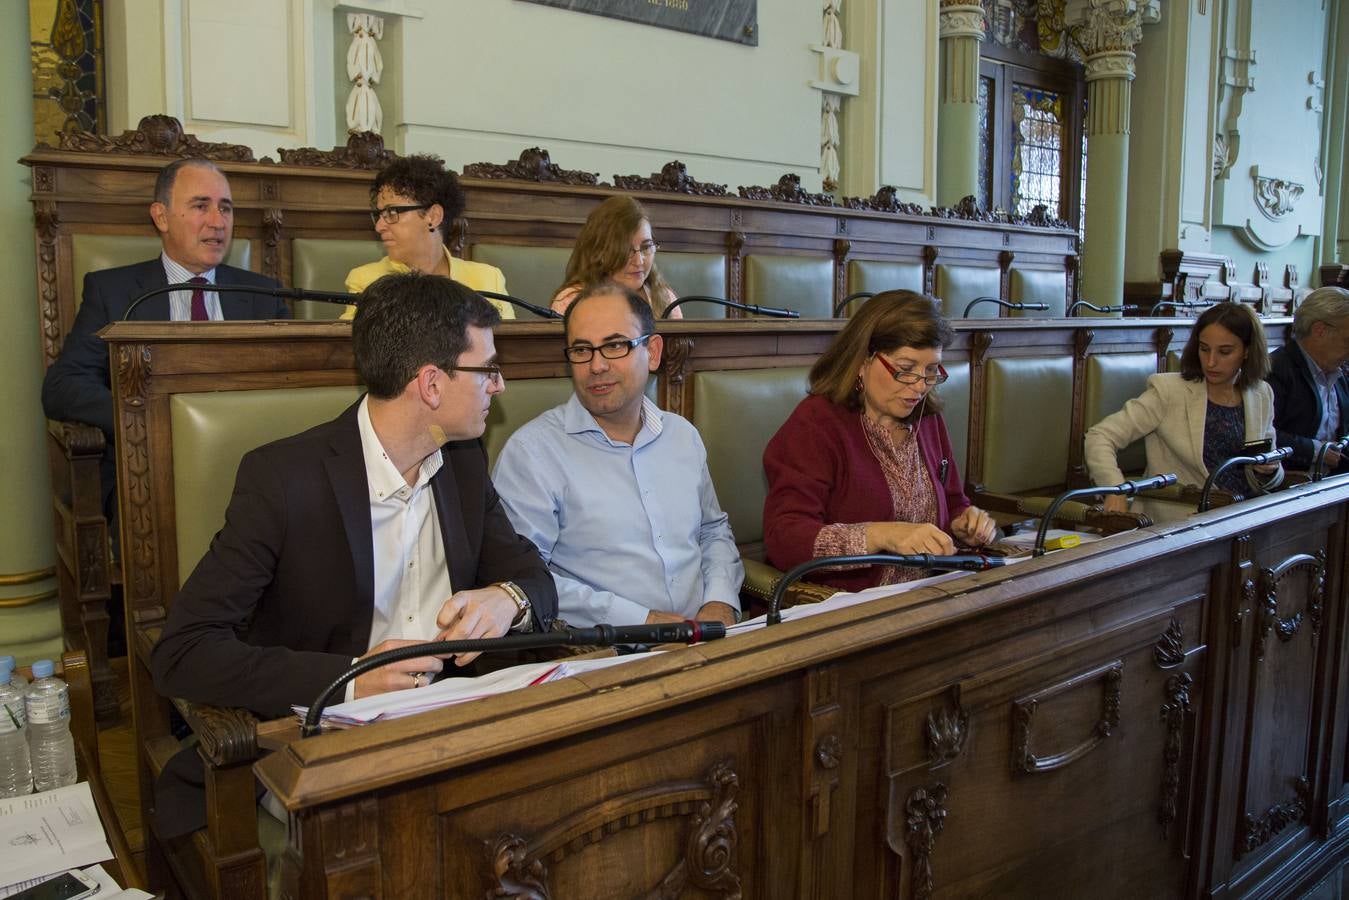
column 876, row 276
column 211, row 433
column 958, row 285
column 318, row 265
column 955, row 395
column 94, row 252
column 1028, row 403
column 794, row 282
column 737, row 412
column 523, row 399
column 696, row 273
column 1173, row 360
column 1040, row 286
column 1111, row 380
column 532, row 273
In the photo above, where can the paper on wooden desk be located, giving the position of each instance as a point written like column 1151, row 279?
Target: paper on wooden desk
column 46, row 833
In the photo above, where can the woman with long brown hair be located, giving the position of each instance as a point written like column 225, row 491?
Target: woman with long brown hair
column 864, row 464
column 615, row 244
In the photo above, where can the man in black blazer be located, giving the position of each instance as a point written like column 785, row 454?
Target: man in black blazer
column 194, row 214
column 1306, row 372
column 324, row 556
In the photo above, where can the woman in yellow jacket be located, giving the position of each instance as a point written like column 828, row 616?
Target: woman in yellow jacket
column 413, row 201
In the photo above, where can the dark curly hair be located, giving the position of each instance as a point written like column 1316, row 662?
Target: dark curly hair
column 423, row 178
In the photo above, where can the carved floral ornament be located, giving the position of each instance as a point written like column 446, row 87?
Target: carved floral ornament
column 959, row 19
column 1275, row 197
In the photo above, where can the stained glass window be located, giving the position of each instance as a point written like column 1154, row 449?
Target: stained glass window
column 1037, row 150
column 67, row 59
column 986, row 142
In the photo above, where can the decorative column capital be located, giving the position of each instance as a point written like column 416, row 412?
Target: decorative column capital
column 961, row 19
column 1107, row 31
column 1111, row 64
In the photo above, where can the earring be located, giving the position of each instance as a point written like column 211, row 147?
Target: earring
column 430, row 228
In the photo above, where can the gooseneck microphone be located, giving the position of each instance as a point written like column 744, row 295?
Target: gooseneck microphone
column 1122, row 308
column 1255, row 459
column 771, row 311
column 972, row 562
column 542, row 312
column 855, row 295
column 1006, row 304
column 687, row 632
column 1127, row 489
column 1319, row 463
column 284, row 293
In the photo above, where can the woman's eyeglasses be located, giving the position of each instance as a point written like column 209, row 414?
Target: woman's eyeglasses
column 936, row 377
column 390, row 214
column 644, row 249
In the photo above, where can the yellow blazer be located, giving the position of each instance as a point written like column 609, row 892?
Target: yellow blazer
column 1169, row 416
column 479, row 276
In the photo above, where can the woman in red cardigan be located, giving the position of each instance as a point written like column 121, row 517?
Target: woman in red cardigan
column 864, row 464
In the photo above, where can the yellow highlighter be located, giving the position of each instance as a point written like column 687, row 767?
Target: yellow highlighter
column 1063, row 542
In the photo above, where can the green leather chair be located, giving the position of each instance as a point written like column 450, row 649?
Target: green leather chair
column 695, row 273
column 1111, row 380
column 532, row 273
column 880, row 275
column 1039, row 286
column 317, row 265
column 94, row 252
column 793, row 282
column 1028, row 403
column 958, row 285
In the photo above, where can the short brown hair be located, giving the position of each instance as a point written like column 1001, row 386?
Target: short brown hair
column 888, row 321
column 1242, row 321
column 604, row 244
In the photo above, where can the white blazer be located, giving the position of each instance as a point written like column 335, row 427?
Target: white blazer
column 1169, row 416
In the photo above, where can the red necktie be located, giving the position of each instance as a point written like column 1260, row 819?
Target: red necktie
column 199, row 313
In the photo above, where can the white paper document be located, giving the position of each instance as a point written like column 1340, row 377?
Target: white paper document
column 47, row 833
column 108, row 888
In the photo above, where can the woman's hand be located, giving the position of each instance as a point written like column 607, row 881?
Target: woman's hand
column 974, row 527
column 1116, row 503
column 908, row 537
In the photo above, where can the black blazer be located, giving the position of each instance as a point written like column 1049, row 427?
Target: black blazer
column 283, row 600
column 77, row 386
column 1297, row 405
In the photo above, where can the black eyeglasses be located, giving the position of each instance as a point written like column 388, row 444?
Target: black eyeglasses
column 490, row 373
column 936, row 377
column 390, row 214
column 584, row 353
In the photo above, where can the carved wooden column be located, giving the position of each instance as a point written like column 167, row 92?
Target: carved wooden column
column 961, row 28
column 1108, row 38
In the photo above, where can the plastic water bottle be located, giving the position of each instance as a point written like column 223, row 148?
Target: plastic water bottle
column 49, row 741
column 16, row 679
column 16, row 775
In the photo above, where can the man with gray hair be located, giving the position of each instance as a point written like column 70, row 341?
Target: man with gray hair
column 1311, row 398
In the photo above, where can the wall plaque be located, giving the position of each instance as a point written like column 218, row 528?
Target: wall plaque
column 729, row 20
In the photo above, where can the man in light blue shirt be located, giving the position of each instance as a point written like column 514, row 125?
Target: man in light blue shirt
column 614, row 492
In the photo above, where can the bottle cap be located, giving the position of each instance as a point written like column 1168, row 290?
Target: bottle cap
column 43, row 668
column 10, row 661
column 6, row 668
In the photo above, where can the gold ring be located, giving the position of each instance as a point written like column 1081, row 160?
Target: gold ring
column 416, row 679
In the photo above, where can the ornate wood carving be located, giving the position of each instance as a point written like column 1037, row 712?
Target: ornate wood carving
column 966, row 208
column 787, row 190
column 926, row 808
column 48, row 225
column 133, row 366
column 1005, row 258
column 350, row 837
column 227, row 735
column 1174, row 710
column 946, row 731
column 823, row 749
column 1070, row 280
column 363, row 150
column 673, row 177
column 735, row 262
column 842, row 247
column 158, row 136
column 534, row 164
column 1082, row 339
column 676, row 365
column 1169, row 651
column 1161, row 340
column 1024, row 758
column 271, row 242
column 885, row 200
column 930, row 252
column 1259, row 830
column 708, row 861
column 1287, row 627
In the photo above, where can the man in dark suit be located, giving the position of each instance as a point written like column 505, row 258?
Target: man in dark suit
column 376, row 530
column 1311, row 399
column 194, row 215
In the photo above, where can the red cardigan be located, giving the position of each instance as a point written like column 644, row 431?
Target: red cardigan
column 821, row 471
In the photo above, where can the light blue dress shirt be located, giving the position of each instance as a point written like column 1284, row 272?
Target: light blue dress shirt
column 625, row 529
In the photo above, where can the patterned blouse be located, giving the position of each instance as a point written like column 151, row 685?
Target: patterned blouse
column 911, row 496
column 1224, row 438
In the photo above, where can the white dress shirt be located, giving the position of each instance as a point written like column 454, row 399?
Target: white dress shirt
column 180, row 302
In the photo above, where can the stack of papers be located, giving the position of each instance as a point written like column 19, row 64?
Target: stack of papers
column 449, row 691
column 48, row 833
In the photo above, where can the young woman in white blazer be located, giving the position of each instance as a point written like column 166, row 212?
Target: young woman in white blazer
column 1192, row 420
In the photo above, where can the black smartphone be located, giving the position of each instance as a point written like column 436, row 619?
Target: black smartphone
column 70, row 885
column 1253, row 447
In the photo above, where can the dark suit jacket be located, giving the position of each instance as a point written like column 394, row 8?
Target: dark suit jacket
column 1297, row 405
column 77, row 386
column 283, row 600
